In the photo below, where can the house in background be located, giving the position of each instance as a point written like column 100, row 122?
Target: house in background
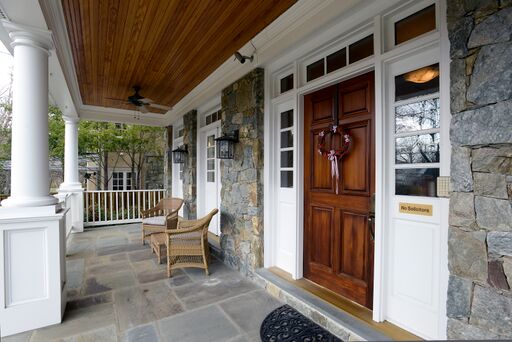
column 360, row 150
column 121, row 176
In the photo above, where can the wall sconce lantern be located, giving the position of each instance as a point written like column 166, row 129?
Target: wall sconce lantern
column 226, row 145
column 179, row 155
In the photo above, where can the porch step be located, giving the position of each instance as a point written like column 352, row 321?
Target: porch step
column 337, row 321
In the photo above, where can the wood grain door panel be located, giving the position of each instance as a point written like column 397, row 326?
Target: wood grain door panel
column 321, row 168
column 358, row 158
column 353, row 227
column 322, row 219
column 338, row 252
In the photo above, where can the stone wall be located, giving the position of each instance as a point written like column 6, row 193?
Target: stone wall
column 168, row 137
column 189, row 171
column 153, row 175
column 480, row 235
column 242, row 177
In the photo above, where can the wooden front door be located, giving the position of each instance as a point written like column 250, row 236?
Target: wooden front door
column 338, row 227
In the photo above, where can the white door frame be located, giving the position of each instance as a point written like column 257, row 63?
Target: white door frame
column 201, row 163
column 375, row 63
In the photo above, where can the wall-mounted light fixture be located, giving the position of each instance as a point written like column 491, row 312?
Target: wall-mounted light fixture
column 179, row 155
column 226, row 145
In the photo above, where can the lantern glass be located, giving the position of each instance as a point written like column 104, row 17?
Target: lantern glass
column 179, row 155
column 226, row 146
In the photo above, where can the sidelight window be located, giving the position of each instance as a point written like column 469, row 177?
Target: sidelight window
column 210, row 159
column 286, row 148
column 417, row 131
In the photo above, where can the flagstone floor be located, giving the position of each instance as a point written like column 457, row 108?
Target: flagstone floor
column 118, row 292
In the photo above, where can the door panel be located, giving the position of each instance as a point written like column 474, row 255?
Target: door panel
column 323, row 104
column 358, row 158
column 338, row 252
column 322, row 219
column 353, row 237
column 356, row 97
column 321, row 168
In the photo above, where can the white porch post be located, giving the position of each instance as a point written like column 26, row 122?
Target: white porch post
column 72, row 188
column 32, row 240
column 71, row 181
column 30, row 175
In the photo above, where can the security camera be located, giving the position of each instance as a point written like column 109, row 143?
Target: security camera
column 241, row 58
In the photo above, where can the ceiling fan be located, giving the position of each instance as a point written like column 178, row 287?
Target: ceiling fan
column 141, row 102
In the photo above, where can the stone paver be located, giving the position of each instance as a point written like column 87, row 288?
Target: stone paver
column 205, row 324
column 118, row 292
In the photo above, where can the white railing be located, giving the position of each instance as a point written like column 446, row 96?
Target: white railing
column 102, row 207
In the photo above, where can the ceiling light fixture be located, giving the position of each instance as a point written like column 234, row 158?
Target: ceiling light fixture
column 422, row 75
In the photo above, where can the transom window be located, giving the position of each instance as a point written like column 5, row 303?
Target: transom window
column 417, row 131
column 211, row 118
column 354, row 52
column 415, row 25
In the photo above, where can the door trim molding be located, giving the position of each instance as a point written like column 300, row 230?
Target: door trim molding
column 376, row 63
column 201, row 162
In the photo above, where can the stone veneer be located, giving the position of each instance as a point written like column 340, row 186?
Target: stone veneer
column 242, row 177
column 480, row 235
column 189, row 171
column 168, row 136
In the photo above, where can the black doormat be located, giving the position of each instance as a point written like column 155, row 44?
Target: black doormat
column 287, row 324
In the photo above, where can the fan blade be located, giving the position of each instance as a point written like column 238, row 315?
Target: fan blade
column 113, row 99
column 154, row 105
column 145, row 100
column 143, row 109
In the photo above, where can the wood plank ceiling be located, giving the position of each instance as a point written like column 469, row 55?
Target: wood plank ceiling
column 167, row 47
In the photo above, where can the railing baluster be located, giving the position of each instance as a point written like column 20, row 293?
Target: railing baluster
column 111, row 211
column 93, row 208
column 105, row 206
column 138, row 204
column 117, row 205
column 122, row 205
column 127, row 204
column 133, row 204
column 87, row 207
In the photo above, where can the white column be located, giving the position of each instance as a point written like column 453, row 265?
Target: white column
column 71, row 181
column 30, row 175
column 32, row 225
column 71, row 192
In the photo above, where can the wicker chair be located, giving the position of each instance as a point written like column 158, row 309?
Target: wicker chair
column 161, row 217
column 187, row 246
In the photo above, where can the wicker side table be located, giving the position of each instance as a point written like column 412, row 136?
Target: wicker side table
column 158, row 240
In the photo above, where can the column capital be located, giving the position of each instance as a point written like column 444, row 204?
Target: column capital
column 29, row 36
column 70, row 120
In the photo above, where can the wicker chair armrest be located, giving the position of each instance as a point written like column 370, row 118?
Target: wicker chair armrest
column 146, row 213
column 181, row 230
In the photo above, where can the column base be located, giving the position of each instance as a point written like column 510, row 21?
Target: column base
column 32, row 269
column 23, row 202
column 73, row 200
column 71, row 187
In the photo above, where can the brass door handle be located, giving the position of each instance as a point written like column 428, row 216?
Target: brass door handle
column 371, row 227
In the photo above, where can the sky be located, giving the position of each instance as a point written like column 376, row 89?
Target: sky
column 5, row 68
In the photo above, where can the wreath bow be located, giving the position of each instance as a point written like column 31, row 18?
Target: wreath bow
column 333, row 155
